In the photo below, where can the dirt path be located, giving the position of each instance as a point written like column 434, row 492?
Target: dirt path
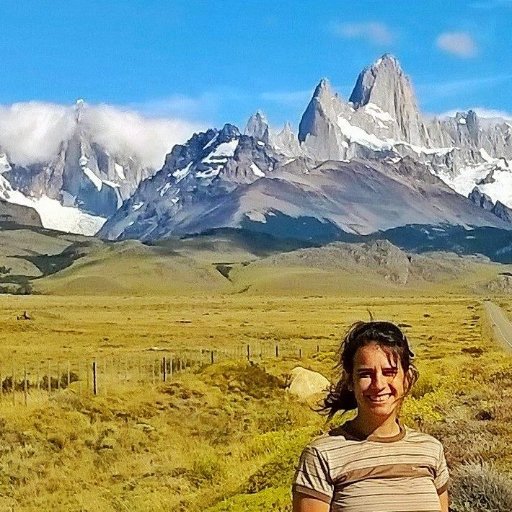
column 501, row 325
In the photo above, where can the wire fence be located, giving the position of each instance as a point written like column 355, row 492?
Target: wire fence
column 22, row 383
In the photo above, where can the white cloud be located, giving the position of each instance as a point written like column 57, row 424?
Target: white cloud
column 460, row 44
column 33, row 132
column 203, row 106
column 372, row 31
column 128, row 132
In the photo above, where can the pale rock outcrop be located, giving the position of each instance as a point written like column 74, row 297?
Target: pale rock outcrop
column 306, row 384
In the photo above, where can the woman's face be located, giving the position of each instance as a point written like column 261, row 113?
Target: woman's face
column 378, row 382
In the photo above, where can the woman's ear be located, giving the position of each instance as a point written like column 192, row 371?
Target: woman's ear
column 408, row 380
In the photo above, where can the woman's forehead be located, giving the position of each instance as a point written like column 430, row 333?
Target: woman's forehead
column 374, row 354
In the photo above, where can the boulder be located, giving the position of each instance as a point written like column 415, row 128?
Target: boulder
column 306, row 384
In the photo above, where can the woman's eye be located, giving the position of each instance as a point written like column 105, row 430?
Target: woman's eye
column 390, row 373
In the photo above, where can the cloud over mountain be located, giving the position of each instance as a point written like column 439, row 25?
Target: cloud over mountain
column 32, row 132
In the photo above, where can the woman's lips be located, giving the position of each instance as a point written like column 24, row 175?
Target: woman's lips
column 379, row 398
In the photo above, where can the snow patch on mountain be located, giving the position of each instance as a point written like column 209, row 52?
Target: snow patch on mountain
column 376, row 112
column 356, row 134
column 95, row 180
column 119, row 171
column 181, row 173
column 256, row 216
column 226, row 149
column 257, row 171
column 53, row 214
column 492, row 178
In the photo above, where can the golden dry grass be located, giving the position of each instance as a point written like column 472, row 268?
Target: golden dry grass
column 224, row 437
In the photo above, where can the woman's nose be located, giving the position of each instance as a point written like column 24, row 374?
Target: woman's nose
column 379, row 381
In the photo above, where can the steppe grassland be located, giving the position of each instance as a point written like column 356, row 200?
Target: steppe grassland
column 75, row 327
column 225, row 437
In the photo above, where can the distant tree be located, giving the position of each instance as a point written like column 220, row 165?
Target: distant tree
column 5, row 270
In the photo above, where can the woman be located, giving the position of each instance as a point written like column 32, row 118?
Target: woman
column 372, row 463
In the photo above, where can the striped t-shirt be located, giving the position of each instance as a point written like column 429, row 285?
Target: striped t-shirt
column 404, row 473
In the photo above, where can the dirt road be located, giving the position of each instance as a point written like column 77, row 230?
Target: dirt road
column 501, row 325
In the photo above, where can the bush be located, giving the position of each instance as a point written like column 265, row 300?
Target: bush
column 480, row 488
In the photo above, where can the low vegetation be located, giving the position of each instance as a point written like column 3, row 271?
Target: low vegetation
column 226, row 437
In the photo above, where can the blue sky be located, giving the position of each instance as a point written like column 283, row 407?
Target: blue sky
column 218, row 61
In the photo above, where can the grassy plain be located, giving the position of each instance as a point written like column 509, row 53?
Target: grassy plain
column 224, row 437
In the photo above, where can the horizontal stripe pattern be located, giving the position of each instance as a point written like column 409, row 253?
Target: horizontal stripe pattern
column 405, row 475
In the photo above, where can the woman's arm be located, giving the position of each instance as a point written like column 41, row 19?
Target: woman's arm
column 443, row 499
column 303, row 503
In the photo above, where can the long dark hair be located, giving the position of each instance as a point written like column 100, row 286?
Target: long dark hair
column 386, row 334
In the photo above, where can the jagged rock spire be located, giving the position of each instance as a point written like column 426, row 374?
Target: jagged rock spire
column 257, row 127
column 386, row 85
column 79, row 109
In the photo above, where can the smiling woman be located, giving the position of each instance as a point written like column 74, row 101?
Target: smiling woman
column 372, row 462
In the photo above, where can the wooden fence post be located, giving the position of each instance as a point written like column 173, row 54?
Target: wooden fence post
column 170, row 366
column 25, row 384
column 248, row 352
column 94, row 378
column 164, row 369
column 79, row 378
column 212, row 357
column 13, row 384
column 49, row 379
column 277, row 350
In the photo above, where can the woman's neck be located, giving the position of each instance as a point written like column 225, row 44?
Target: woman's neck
column 386, row 427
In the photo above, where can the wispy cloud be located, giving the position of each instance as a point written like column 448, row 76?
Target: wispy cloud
column 200, row 107
column 128, row 132
column 33, row 132
column 460, row 44
column 441, row 90
column 374, row 32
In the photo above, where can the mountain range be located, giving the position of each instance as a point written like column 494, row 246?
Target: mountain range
column 357, row 166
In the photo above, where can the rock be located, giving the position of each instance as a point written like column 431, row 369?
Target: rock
column 306, row 384
column 257, row 127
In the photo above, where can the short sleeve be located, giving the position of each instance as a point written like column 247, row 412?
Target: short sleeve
column 312, row 476
column 442, row 476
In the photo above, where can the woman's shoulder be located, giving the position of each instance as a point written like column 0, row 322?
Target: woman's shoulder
column 332, row 439
column 417, row 436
